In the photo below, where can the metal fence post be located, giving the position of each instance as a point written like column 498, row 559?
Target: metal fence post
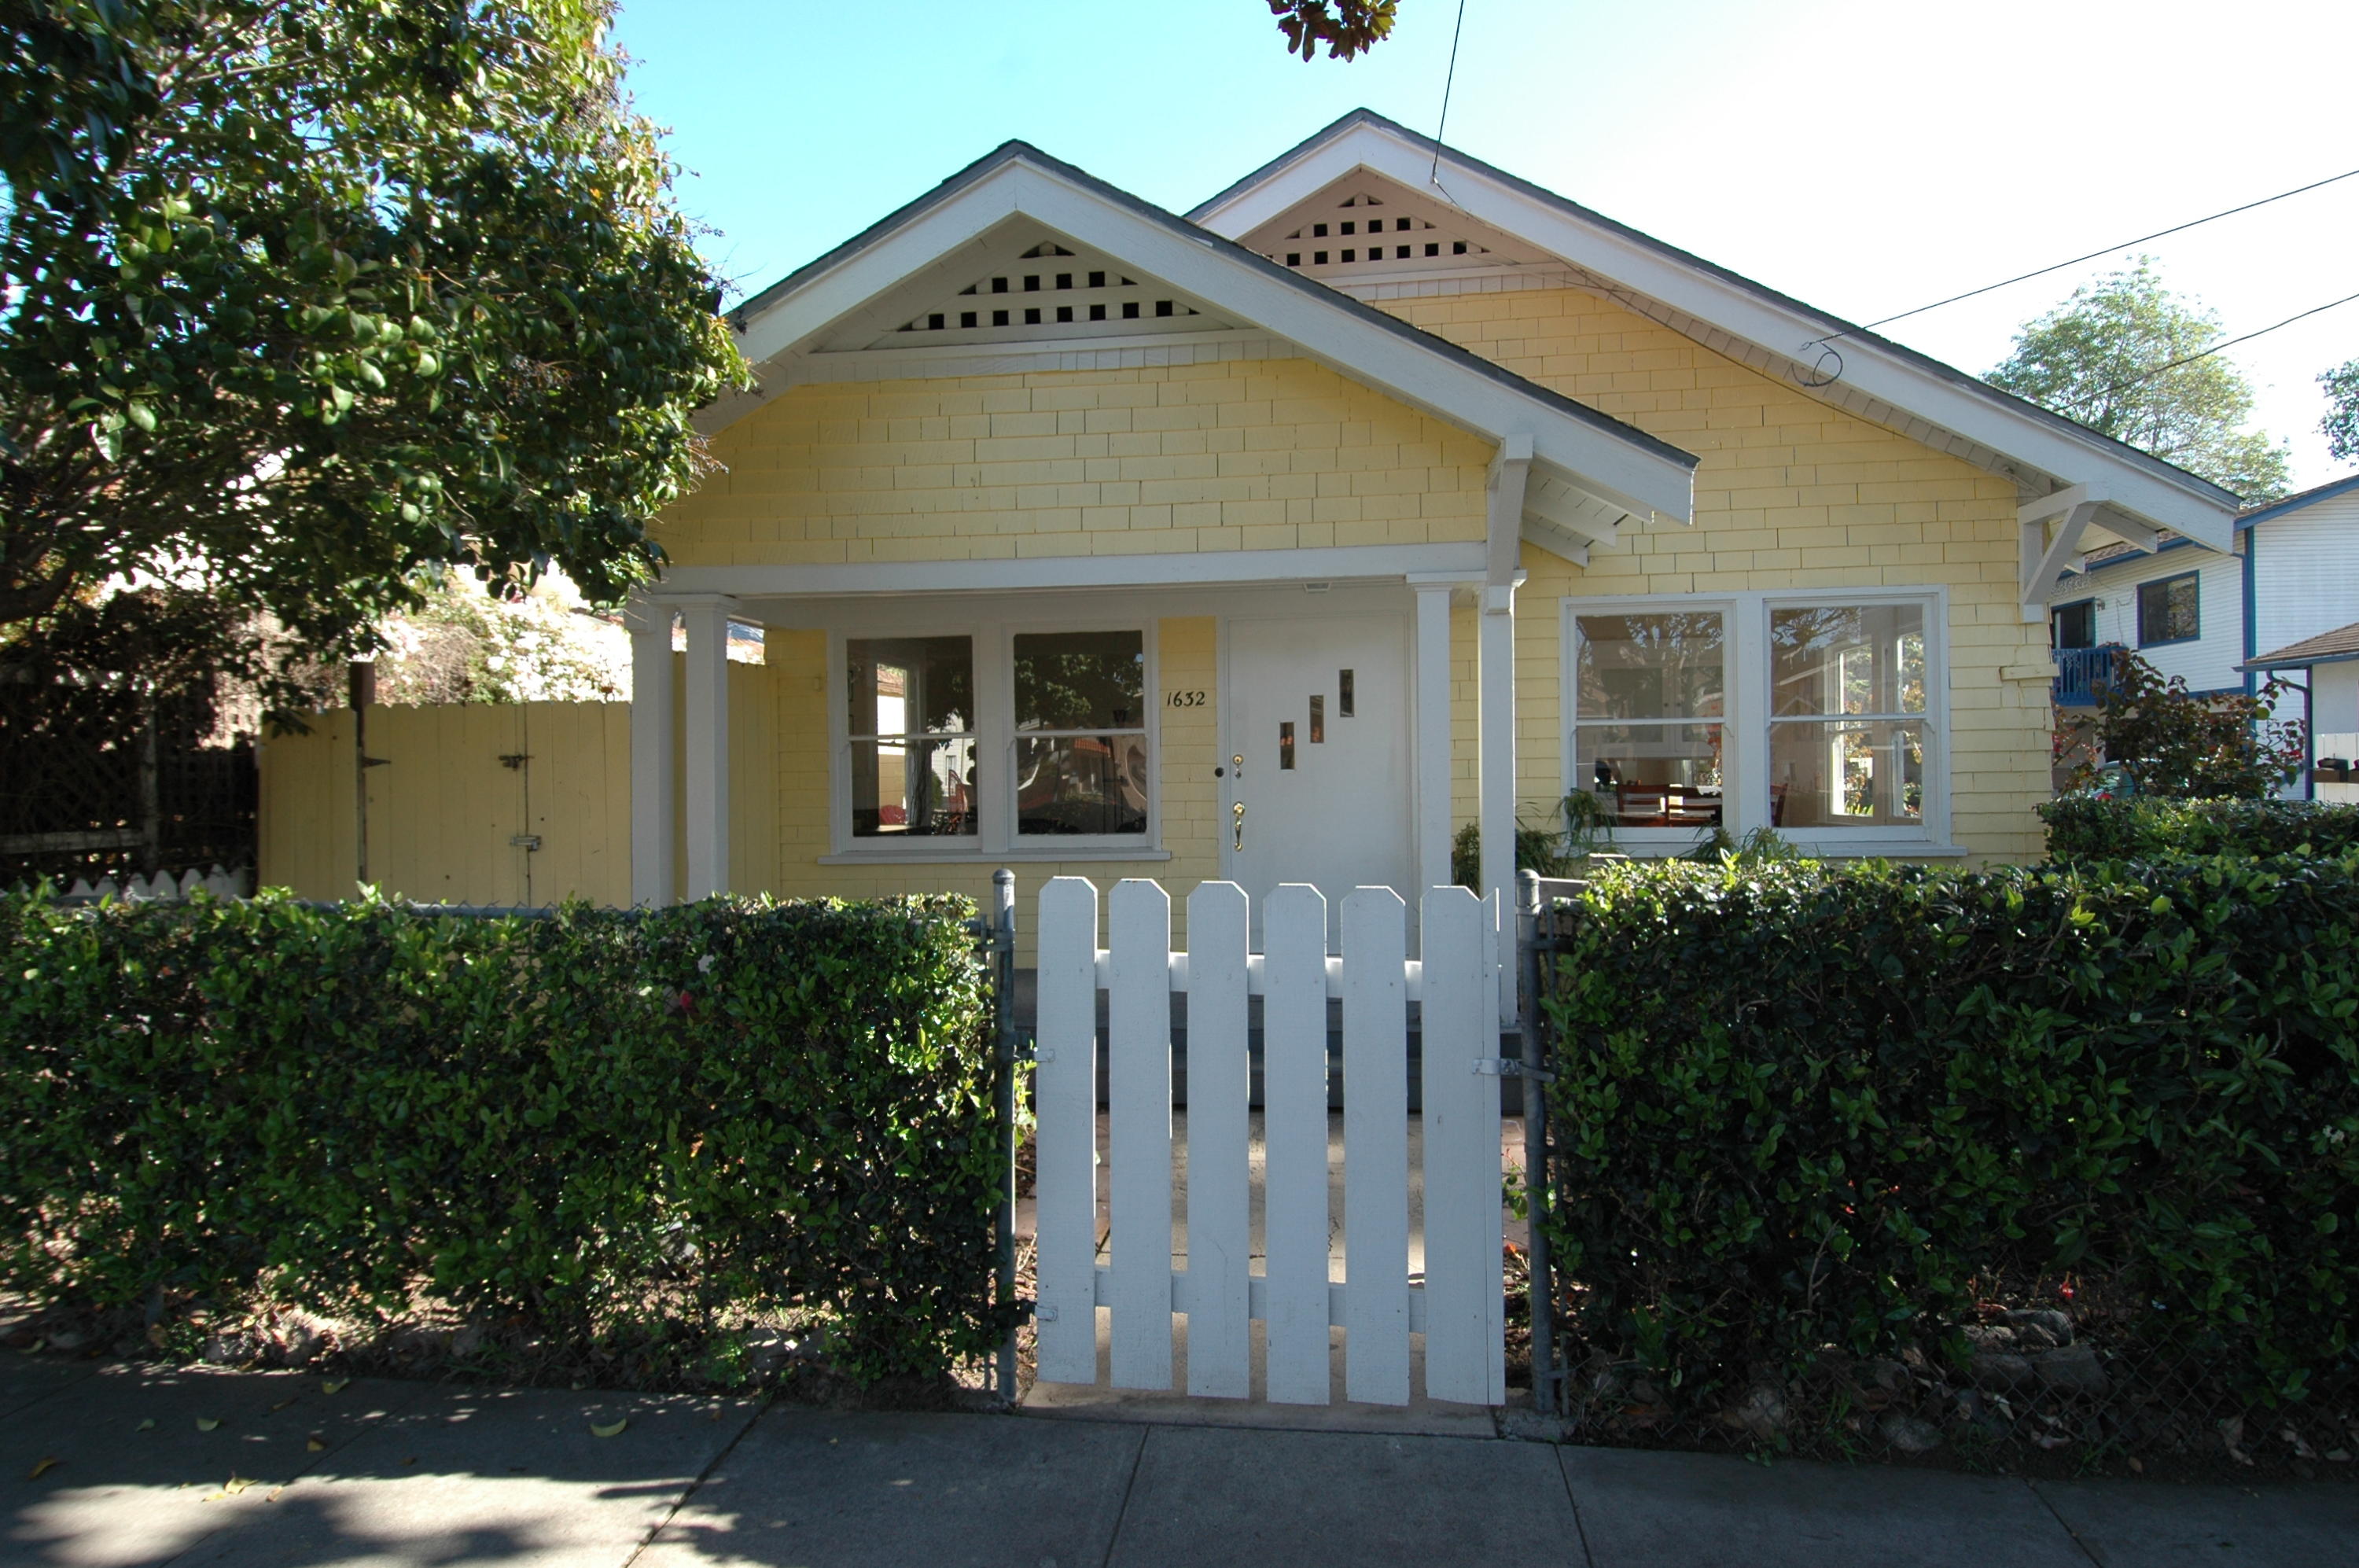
column 1003, row 945
column 1536, row 1186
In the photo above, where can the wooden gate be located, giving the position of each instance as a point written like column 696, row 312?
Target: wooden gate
column 1458, row 1306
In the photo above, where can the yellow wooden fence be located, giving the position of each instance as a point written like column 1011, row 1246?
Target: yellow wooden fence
column 526, row 803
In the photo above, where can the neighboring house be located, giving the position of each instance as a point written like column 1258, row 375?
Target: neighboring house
column 2292, row 576
column 1383, row 493
column 2325, row 669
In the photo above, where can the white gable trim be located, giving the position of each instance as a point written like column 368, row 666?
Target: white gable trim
column 1624, row 468
column 2041, row 453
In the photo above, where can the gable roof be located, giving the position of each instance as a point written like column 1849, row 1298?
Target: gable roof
column 1590, row 471
column 2336, row 647
column 1883, row 381
column 2295, row 503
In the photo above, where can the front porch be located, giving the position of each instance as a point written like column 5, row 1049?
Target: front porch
column 1328, row 716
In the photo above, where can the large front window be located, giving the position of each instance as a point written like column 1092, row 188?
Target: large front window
column 1080, row 732
column 913, row 734
column 1847, row 715
column 1652, row 692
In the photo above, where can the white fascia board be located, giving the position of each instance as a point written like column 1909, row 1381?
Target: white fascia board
column 1197, row 569
column 1624, row 471
column 2135, row 489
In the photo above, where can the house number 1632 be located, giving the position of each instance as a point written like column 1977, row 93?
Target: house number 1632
column 1184, row 699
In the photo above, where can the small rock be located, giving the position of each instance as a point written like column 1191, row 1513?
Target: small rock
column 469, row 1340
column 66, row 1339
column 1999, row 1369
column 2040, row 1328
column 1887, row 1374
column 1909, row 1434
column 1762, row 1412
column 1990, row 1336
column 229, row 1349
column 2075, row 1369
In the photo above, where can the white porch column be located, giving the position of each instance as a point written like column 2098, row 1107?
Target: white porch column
column 653, row 878
column 1498, row 778
column 708, row 745
column 1510, row 474
column 1434, row 738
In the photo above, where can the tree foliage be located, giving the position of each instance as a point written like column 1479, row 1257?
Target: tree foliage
column 2341, row 426
column 1347, row 28
column 2174, row 744
column 307, row 298
column 2116, row 357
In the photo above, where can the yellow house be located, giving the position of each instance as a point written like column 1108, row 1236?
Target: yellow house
column 1383, row 493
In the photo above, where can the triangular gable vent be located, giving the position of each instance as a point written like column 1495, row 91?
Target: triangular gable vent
column 1360, row 234
column 1052, row 292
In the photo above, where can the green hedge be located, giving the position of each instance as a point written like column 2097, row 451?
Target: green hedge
column 2087, row 828
column 594, row 1115
column 1801, row 1106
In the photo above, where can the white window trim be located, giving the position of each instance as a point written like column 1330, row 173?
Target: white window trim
column 995, row 840
column 1745, row 798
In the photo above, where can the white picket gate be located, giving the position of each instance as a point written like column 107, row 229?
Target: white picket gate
column 1458, row 1309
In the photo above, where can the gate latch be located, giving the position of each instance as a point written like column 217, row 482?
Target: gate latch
column 1508, row 1067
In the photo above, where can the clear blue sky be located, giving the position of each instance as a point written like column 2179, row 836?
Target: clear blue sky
column 1862, row 155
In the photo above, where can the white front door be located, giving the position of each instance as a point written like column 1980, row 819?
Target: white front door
column 1317, row 754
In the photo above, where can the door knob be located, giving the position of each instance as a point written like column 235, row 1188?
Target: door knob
column 1238, row 812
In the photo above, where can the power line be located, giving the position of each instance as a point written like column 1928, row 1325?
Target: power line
column 2215, row 348
column 2107, row 250
column 1434, row 174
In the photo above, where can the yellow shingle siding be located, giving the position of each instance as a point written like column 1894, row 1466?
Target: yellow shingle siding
column 1251, row 454
column 1790, row 493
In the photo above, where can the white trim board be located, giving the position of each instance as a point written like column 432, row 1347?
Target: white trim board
column 1943, row 407
column 1021, row 189
column 1198, row 568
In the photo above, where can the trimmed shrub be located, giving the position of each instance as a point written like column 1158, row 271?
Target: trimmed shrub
column 593, row 1116
column 2086, row 827
column 1799, row 1105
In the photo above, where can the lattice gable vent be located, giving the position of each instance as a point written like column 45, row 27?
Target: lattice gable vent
column 1339, row 237
column 1051, row 291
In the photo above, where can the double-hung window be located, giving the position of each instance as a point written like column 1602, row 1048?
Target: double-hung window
column 913, row 736
column 1848, row 715
column 1817, row 716
column 2170, row 610
column 1081, row 734
column 1648, row 736
column 996, row 740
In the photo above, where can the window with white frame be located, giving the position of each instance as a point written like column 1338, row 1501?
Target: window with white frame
column 994, row 739
column 1848, row 715
column 1648, row 736
column 1081, row 734
column 912, row 719
column 1818, row 716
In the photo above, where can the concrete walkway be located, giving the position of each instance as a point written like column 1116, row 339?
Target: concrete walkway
column 112, row 1465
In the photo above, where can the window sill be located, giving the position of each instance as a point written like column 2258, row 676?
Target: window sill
column 1027, row 854
column 1817, row 846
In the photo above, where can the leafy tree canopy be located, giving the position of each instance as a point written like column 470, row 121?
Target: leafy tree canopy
column 1347, row 28
column 2110, row 358
column 2175, row 743
column 2341, row 426
column 310, row 302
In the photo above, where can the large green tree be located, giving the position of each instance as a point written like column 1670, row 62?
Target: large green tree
column 2118, row 358
column 1347, row 28
column 306, row 302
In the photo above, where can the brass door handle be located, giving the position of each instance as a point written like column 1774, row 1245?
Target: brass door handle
column 1238, row 812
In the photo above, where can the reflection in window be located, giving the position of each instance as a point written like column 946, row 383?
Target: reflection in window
column 1081, row 720
column 913, row 754
column 1847, row 733
column 2170, row 610
column 1644, row 681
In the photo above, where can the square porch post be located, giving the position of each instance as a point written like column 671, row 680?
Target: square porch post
column 654, row 878
column 1435, row 741
column 707, row 773
column 1504, row 534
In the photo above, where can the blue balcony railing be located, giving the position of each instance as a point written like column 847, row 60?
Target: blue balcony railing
column 2081, row 671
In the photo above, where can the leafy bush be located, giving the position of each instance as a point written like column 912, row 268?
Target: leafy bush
column 720, row 1107
column 2173, row 743
column 2086, row 827
column 1800, row 1105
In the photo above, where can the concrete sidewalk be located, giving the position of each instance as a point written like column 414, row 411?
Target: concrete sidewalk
column 137, row 1465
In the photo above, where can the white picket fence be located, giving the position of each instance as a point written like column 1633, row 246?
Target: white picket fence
column 164, row 887
column 1458, row 1309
